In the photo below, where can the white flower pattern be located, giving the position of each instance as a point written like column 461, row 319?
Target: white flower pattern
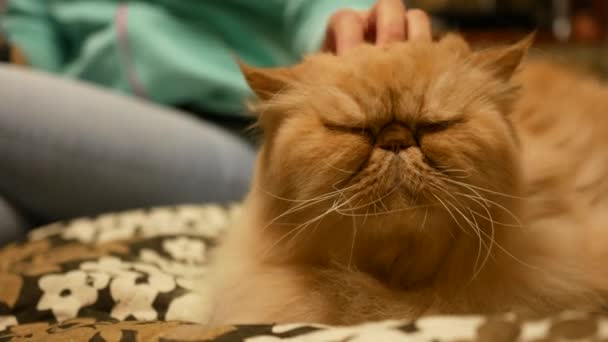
column 438, row 328
column 135, row 284
column 184, row 273
column 186, row 249
column 377, row 331
column 83, row 230
column 206, row 221
column 65, row 294
column 7, row 321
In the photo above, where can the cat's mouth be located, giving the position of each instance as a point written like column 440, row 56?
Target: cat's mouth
column 393, row 179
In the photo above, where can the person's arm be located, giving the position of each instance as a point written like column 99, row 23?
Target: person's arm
column 26, row 26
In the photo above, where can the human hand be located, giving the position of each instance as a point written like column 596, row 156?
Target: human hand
column 386, row 22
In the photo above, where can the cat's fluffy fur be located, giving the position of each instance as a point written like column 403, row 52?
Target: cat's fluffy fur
column 416, row 179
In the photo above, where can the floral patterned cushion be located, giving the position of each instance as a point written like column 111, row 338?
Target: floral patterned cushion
column 129, row 277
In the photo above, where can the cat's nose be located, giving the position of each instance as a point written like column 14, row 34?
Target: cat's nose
column 395, row 137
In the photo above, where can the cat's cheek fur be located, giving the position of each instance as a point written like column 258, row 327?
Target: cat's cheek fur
column 308, row 161
column 482, row 151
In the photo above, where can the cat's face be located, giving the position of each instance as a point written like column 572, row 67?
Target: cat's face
column 384, row 130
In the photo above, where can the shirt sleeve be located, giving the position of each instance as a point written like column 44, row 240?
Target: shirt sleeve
column 306, row 21
column 27, row 25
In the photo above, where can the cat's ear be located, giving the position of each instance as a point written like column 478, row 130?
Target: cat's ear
column 503, row 61
column 455, row 43
column 266, row 82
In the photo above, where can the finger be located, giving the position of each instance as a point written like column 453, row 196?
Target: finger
column 418, row 25
column 329, row 43
column 347, row 29
column 369, row 25
column 389, row 18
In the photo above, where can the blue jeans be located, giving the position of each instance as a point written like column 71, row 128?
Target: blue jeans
column 69, row 149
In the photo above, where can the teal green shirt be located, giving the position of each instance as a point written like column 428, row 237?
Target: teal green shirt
column 170, row 51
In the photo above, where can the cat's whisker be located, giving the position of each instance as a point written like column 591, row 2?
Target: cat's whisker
column 352, row 246
column 380, row 213
column 337, row 168
column 480, row 243
column 477, row 231
column 271, row 247
column 301, row 200
column 330, row 210
column 298, row 208
column 293, row 238
column 448, row 168
column 380, row 199
column 492, row 243
column 487, row 202
column 451, row 214
column 301, row 227
column 463, row 216
column 426, row 213
column 437, row 186
column 346, row 201
column 353, row 209
column 514, row 257
column 510, row 213
column 366, row 216
column 381, row 202
column 376, row 208
column 456, row 208
column 455, row 199
column 475, row 226
column 307, row 204
column 318, row 218
column 467, row 187
column 284, row 198
column 499, row 223
column 374, row 201
column 484, row 189
column 316, row 227
column 452, row 173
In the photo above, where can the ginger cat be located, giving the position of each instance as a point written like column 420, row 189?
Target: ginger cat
column 420, row 178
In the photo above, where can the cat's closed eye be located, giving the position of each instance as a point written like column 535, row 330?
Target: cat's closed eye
column 423, row 128
column 356, row 130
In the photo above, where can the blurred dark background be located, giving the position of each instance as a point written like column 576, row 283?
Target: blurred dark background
column 573, row 31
